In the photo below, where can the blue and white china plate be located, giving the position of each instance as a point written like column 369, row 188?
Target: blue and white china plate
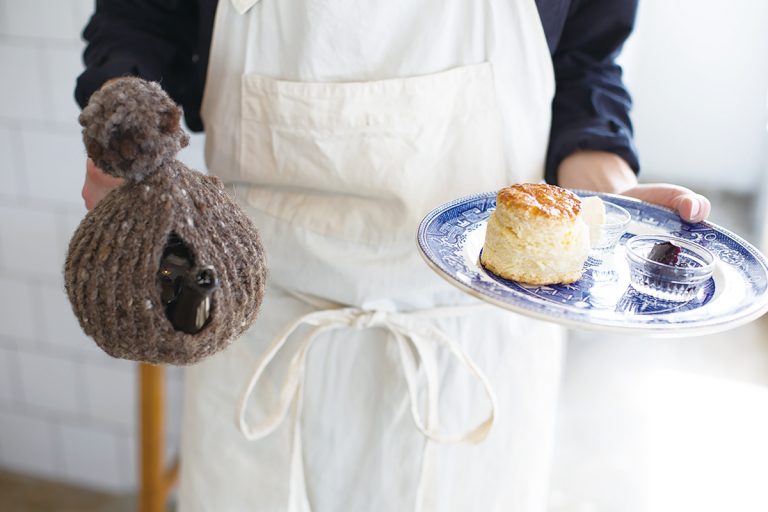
column 451, row 237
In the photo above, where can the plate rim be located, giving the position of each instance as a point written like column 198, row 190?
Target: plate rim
column 752, row 312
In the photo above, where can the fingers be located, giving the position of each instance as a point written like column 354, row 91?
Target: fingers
column 691, row 207
column 97, row 184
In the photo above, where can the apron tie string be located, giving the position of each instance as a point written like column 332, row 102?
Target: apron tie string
column 415, row 337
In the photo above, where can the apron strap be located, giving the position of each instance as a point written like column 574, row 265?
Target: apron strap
column 415, row 336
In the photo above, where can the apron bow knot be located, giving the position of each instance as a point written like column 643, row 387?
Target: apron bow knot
column 416, row 338
column 368, row 319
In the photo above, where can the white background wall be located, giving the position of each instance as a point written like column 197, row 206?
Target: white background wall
column 67, row 411
column 698, row 72
column 699, row 76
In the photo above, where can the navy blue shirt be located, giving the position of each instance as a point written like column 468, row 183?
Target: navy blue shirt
column 169, row 41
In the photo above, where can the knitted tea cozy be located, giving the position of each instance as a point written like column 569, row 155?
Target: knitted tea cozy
column 166, row 268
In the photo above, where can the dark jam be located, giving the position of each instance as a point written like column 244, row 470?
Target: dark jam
column 666, row 253
column 185, row 290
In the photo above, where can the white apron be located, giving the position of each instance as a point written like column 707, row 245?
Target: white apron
column 368, row 383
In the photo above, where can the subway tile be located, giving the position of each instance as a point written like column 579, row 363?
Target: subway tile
column 29, row 241
column 10, row 176
column 63, row 64
column 112, row 393
column 68, row 223
column 27, row 445
column 60, row 328
column 7, row 375
column 22, row 96
column 39, row 19
column 82, row 13
column 50, row 382
column 128, row 458
column 91, row 457
column 55, row 164
column 174, row 401
column 17, row 318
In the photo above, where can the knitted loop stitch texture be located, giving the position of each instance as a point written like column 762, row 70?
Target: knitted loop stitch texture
column 114, row 255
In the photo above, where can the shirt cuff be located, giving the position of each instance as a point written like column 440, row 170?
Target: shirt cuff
column 602, row 135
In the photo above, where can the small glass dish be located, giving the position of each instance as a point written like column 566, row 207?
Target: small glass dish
column 676, row 283
column 603, row 238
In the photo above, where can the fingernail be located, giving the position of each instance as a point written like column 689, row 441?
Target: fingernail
column 695, row 208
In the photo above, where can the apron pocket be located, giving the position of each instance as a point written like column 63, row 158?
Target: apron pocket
column 364, row 161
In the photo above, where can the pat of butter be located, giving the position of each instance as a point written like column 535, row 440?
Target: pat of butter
column 593, row 213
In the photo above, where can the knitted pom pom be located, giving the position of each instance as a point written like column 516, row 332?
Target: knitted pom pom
column 131, row 128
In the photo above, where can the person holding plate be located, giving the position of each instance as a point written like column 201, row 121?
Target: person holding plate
column 368, row 383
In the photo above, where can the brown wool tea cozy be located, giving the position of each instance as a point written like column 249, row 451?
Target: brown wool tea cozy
column 166, row 268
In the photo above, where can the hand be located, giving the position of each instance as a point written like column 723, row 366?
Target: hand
column 606, row 172
column 97, row 184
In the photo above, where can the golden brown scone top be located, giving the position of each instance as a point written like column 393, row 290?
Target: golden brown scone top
column 540, row 199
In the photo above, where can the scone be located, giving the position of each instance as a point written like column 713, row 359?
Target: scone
column 536, row 235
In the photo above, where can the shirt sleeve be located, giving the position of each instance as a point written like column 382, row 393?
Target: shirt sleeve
column 152, row 39
column 591, row 105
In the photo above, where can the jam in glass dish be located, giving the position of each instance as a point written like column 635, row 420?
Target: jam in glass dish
column 668, row 268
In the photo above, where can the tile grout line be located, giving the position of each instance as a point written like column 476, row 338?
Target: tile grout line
column 68, row 419
column 3, row 19
column 35, row 203
column 18, row 157
column 76, row 359
column 59, row 455
column 43, row 125
column 71, row 355
column 25, row 277
column 36, row 298
column 47, row 82
column 47, row 41
column 122, row 466
column 15, row 374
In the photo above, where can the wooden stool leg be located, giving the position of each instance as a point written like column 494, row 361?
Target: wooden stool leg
column 152, row 490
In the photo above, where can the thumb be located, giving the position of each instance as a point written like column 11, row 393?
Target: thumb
column 692, row 207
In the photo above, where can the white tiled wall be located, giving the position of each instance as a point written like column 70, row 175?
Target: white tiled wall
column 29, row 444
column 90, row 454
column 67, row 410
